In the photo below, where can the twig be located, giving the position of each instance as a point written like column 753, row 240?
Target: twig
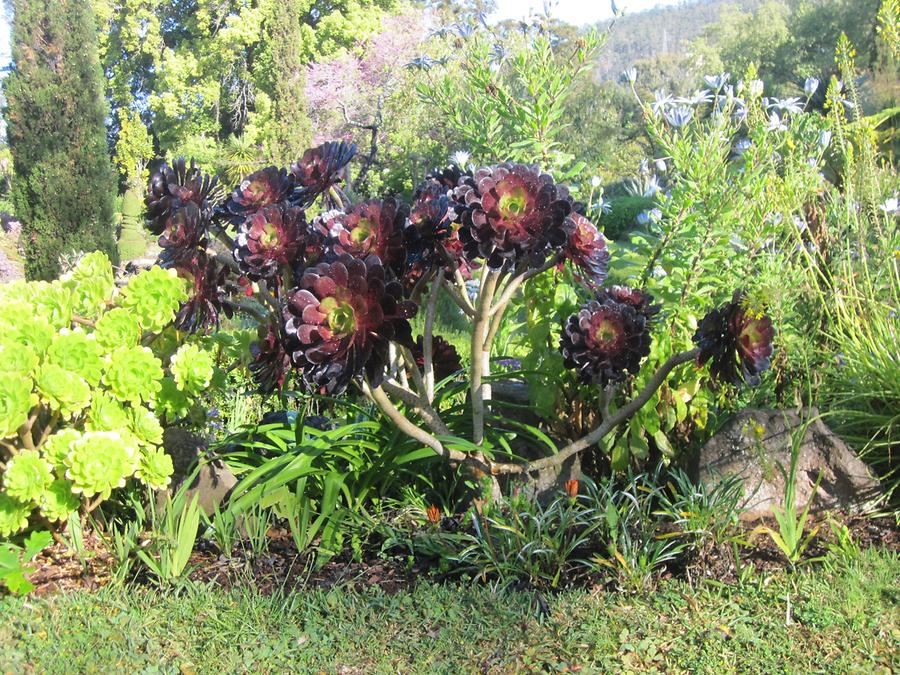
column 607, row 425
column 462, row 301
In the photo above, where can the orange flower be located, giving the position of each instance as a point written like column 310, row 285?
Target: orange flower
column 572, row 488
column 434, row 514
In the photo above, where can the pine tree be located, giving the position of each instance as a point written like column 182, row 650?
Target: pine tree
column 64, row 188
column 291, row 128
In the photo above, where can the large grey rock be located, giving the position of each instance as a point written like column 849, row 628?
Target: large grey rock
column 756, row 441
column 213, row 481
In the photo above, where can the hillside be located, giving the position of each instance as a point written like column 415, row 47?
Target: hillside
column 661, row 30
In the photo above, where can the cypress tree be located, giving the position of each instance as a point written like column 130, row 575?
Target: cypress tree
column 291, row 128
column 64, row 187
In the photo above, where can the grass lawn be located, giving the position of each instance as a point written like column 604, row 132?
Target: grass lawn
column 844, row 618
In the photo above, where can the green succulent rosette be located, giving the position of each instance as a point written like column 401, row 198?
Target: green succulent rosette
column 17, row 359
column 145, row 427
column 57, row 446
column 13, row 515
column 18, row 323
column 155, row 469
column 192, row 369
column 58, row 500
column 54, row 303
column 62, row 390
column 117, row 328
column 171, row 402
column 91, row 284
column 101, row 461
column 79, row 353
column 27, row 476
column 106, row 413
column 16, row 401
column 154, row 296
column 133, row 375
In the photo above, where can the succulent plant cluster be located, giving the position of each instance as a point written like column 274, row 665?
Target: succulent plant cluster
column 88, row 375
column 342, row 284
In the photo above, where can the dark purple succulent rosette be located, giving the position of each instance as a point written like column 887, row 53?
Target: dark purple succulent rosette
column 271, row 363
column 269, row 238
column 586, row 248
column 444, row 357
column 736, row 342
column 430, row 225
column 640, row 300
column 511, row 213
column 340, row 319
column 185, row 233
column 605, row 341
column 373, row 227
column 172, row 187
column 209, row 294
column 262, row 188
column 439, row 181
column 319, row 169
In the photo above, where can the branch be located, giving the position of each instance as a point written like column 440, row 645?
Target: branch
column 462, row 301
column 380, row 398
column 513, row 285
column 427, row 346
column 479, row 365
column 607, row 425
column 428, row 414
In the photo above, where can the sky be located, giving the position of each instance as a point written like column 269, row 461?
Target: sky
column 577, row 12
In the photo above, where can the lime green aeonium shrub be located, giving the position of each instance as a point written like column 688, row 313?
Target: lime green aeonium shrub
column 88, row 373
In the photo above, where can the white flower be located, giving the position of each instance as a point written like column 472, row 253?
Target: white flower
column 461, row 158
column 595, row 181
column 891, row 206
column 661, row 102
column 679, row 116
column 810, row 86
column 629, row 75
column 716, row 82
column 824, row 139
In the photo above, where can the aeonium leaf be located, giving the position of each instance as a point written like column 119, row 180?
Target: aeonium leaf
column 101, row 461
column 19, row 323
column 171, row 402
column 13, row 515
column 57, row 446
column 55, row 304
column 133, row 374
column 17, row 358
column 192, row 368
column 106, row 413
column 27, row 476
column 16, row 401
column 145, row 426
column 58, row 500
column 154, row 296
column 79, row 353
column 155, row 468
column 117, row 328
column 91, row 283
column 62, row 390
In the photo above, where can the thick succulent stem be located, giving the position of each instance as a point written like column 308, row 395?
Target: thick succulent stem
column 462, row 301
column 427, row 346
column 428, row 414
column 480, row 366
column 381, row 399
column 608, row 424
column 516, row 282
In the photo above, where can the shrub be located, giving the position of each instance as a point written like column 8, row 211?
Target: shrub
column 65, row 185
column 82, row 366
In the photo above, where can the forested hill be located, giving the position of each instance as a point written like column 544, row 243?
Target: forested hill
column 657, row 31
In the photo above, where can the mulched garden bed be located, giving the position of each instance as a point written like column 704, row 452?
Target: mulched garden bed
column 280, row 568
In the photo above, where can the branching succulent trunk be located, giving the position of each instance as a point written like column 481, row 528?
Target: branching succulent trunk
column 487, row 318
